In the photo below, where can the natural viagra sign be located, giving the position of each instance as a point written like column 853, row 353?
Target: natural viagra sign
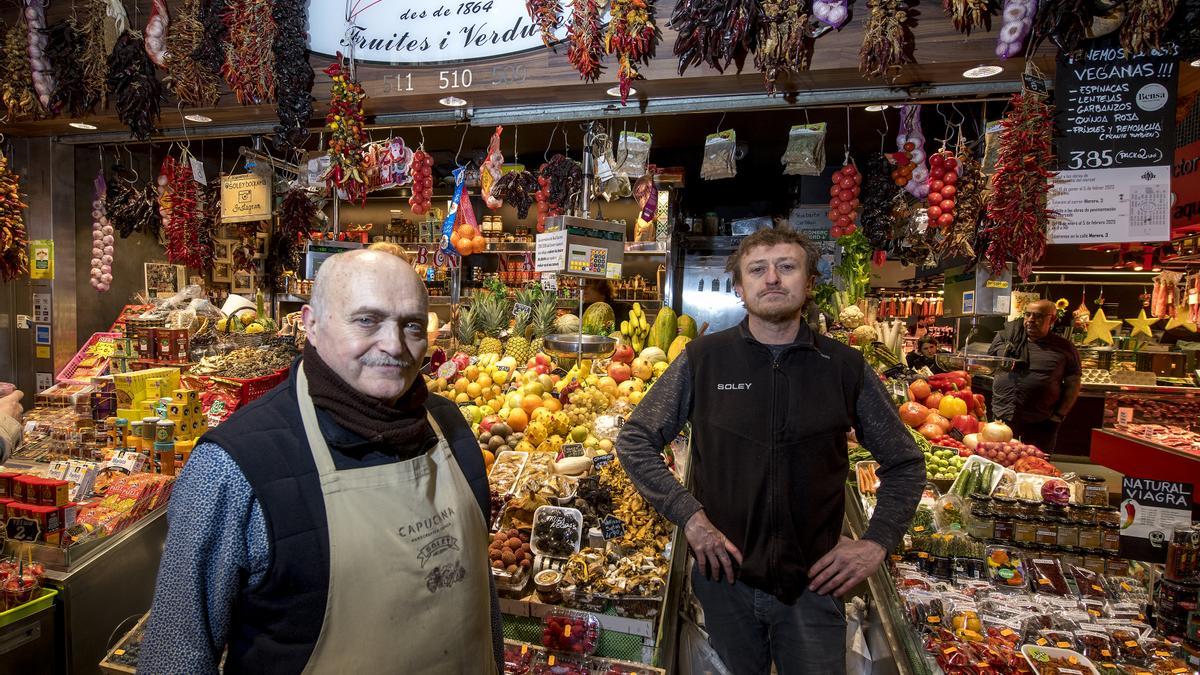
column 415, row 32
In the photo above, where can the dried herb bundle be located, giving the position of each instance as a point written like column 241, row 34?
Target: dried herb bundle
column 586, row 47
column 249, row 66
column 192, row 82
column 94, row 56
column 969, row 15
column 631, row 36
column 293, row 73
column 131, row 80
column 784, row 42
column 1016, row 209
column 879, row 192
column 1064, row 22
column 16, row 90
column 715, row 32
column 296, row 215
column 1145, row 24
column 211, row 50
column 887, row 39
column 66, row 49
column 14, row 255
column 547, row 15
column 517, row 188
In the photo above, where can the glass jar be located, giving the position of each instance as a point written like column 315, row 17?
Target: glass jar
column 1024, row 530
column 1090, row 536
column 1084, row 515
column 1002, row 528
column 1046, row 531
column 1094, row 491
column 1003, row 506
column 1070, row 556
column 979, row 520
column 1030, row 508
column 1056, row 511
column 1108, row 515
column 1068, row 533
column 1110, row 537
column 1095, row 560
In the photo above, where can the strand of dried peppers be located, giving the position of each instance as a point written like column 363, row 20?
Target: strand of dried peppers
column 547, row 15
column 16, row 89
column 344, row 122
column 714, row 32
column 632, row 37
column 586, row 48
column 132, row 209
column 879, row 192
column 517, row 188
column 969, row 15
column 959, row 238
column 66, row 49
column 211, row 50
column 296, row 215
column 14, row 255
column 784, row 43
column 94, row 56
column 1017, row 213
column 1064, row 22
column 192, row 82
column 293, row 73
column 184, row 225
column 249, row 66
column 887, row 39
column 1145, row 24
column 1185, row 29
column 137, row 93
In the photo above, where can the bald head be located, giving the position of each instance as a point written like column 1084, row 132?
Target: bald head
column 367, row 320
column 1039, row 318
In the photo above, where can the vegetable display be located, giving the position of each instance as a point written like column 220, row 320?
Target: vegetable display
column 103, row 239
column 1066, row 23
column 631, row 36
column 832, row 13
column 489, row 172
column 249, row 66
column 959, row 239
column 969, row 15
column 190, row 80
column 561, row 181
column 188, row 242
column 14, row 243
column 296, row 215
column 293, row 72
column 547, row 15
column 39, row 63
column 93, row 58
column 912, row 140
column 517, row 188
column 135, row 89
column 1015, row 21
column 211, row 50
column 943, row 178
column 156, row 33
column 16, row 88
column 1016, row 210
column 131, row 209
column 887, row 39
column 879, row 190
column 784, row 43
column 344, row 121
column 586, row 44
column 854, row 270
column 1145, row 23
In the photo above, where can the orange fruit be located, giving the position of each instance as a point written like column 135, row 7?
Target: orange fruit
column 552, row 404
column 478, row 244
column 460, row 385
column 530, row 403
column 484, row 381
column 518, row 420
column 466, row 231
column 488, row 459
column 474, row 390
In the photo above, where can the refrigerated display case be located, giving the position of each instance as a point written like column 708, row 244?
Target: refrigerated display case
column 1150, row 432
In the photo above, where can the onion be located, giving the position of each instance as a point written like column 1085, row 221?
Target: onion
column 996, row 431
column 837, row 16
column 971, row 441
column 821, row 9
column 106, row 279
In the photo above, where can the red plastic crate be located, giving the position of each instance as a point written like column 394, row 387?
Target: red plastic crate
column 253, row 388
column 67, row 374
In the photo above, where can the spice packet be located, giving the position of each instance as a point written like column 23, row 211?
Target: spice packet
column 805, row 152
column 633, row 154
column 719, row 149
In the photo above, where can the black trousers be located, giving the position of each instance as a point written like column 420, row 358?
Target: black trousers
column 1043, row 434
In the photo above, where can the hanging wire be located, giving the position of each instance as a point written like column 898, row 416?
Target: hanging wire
column 847, row 134
column 514, row 155
column 466, row 128
column 553, row 133
column 720, row 121
column 883, row 134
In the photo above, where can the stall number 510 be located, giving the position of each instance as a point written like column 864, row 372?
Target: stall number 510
column 447, row 79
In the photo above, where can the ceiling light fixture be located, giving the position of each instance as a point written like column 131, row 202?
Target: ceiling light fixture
column 879, row 107
column 982, row 71
column 1196, row 63
column 452, row 101
column 616, row 91
column 196, row 117
column 82, row 125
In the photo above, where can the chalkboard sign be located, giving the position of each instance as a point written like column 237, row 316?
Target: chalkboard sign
column 572, row 450
column 22, row 529
column 600, row 460
column 1115, row 111
column 612, row 527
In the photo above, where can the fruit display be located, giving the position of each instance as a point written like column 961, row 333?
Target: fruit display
column 573, row 632
column 556, row 531
column 1009, row 453
column 510, row 551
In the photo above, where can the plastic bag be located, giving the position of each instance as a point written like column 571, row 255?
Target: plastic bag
column 718, row 156
column 608, row 183
column 805, row 153
column 633, row 154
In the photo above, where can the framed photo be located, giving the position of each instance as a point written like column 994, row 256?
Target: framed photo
column 243, row 283
column 163, row 279
column 222, row 272
column 223, row 250
column 260, row 246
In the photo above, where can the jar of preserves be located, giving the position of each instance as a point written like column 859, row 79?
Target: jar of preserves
column 1110, row 537
column 1068, row 533
column 1046, row 531
column 981, row 524
column 1024, row 530
column 1084, row 515
column 1030, row 508
column 1108, row 515
column 1004, row 506
column 1002, row 528
column 1093, row 491
column 1090, row 536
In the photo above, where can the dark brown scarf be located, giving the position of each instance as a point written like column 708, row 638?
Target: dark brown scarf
column 401, row 426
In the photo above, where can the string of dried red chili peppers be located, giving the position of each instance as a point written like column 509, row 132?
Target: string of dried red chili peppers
column 586, row 45
column 344, row 122
column 249, row 66
column 296, row 215
column 547, row 15
column 14, row 256
column 1016, row 209
column 631, row 36
column 183, row 225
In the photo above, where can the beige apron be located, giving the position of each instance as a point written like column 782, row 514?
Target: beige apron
column 408, row 568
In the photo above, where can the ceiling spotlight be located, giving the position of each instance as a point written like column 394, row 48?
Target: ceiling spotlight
column 196, row 117
column 452, row 101
column 1196, row 63
column 877, row 108
column 616, row 91
column 982, row 71
column 82, row 125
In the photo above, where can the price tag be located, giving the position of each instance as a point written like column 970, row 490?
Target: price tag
column 1034, row 83
column 502, row 369
column 949, row 650
column 1063, row 645
column 604, row 170
column 919, row 528
column 525, row 649
column 22, row 529
column 600, row 460
column 1131, row 643
column 567, row 630
column 934, row 619
column 197, row 170
column 612, row 527
column 1042, row 642
column 549, row 282
column 1006, row 632
column 572, row 450
column 521, row 310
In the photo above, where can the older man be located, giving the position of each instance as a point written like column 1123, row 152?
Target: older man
column 1035, row 396
column 337, row 524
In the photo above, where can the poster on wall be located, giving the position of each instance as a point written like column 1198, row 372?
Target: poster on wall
column 1150, row 511
column 163, row 279
column 1185, row 174
column 1116, row 117
column 41, row 259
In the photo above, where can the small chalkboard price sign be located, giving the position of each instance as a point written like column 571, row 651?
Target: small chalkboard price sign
column 600, row 460
column 612, row 527
column 22, row 529
column 572, row 450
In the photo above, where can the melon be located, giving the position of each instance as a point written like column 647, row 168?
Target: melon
column 567, row 323
column 653, row 355
column 677, row 346
column 665, row 328
column 687, row 326
column 598, row 319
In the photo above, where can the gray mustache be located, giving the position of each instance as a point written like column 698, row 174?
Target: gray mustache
column 384, row 360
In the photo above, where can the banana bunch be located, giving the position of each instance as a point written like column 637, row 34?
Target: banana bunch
column 636, row 329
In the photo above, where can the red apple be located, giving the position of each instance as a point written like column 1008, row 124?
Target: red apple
column 619, row 371
column 623, row 354
column 486, row 423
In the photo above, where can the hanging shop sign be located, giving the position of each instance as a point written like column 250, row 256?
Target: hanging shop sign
column 404, row 33
column 1150, row 512
column 1117, row 119
column 245, row 197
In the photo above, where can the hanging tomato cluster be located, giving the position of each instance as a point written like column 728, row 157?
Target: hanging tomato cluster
column 345, row 124
column 102, row 239
column 422, row 182
column 545, row 208
column 903, row 164
column 843, row 207
column 943, row 176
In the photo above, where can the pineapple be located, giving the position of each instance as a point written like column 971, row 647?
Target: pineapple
column 467, row 327
column 492, row 315
column 518, row 344
column 545, row 313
